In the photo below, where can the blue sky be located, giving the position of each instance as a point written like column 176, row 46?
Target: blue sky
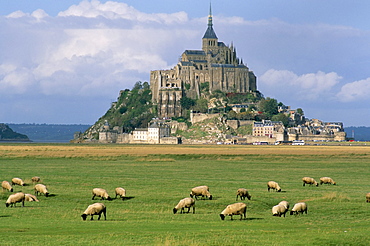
column 66, row 61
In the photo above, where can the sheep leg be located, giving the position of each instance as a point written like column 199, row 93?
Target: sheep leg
column 93, row 197
column 193, row 210
column 104, row 213
column 92, row 217
column 236, row 198
column 99, row 216
column 188, row 209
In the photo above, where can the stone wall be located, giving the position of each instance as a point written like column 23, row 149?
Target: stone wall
column 198, row 117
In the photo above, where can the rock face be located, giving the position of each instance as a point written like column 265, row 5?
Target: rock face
column 7, row 134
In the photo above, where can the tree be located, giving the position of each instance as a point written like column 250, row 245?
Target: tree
column 269, row 107
column 300, row 111
column 281, row 117
column 187, row 102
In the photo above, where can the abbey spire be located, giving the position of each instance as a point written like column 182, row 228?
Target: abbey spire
column 210, row 39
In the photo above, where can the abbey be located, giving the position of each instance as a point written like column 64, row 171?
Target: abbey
column 215, row 67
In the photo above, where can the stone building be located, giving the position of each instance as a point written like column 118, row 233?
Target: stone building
column 215, row 67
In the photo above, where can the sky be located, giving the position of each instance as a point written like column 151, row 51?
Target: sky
column 64, row 62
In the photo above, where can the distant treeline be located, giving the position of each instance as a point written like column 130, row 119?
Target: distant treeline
column 360, row 133
column 48, row 132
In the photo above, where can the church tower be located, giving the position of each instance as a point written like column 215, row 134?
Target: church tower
column 210, row 40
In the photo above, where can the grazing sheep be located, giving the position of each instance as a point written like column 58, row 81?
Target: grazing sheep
column 14, row 198
column 41, row 189
column 185, row 203
column 327, row 180
column 243, row 193
column 95, row 209
column 99, row 192
column 284, row 203
column 238, row 208
column 310, row 181
column 200, row 191
column 273, row 185
column 36, row 179
column 299, row 208
column 279, row 210
column 17, row 181
column 6, row 186
column 120, row 192
column 368, row 197
column 30, row 198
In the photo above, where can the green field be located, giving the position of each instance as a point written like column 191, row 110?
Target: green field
column 157, row 177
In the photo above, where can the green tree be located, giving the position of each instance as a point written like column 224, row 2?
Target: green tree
column 268, row 106
column 187, row 102
column 300, row 111
column 281, row 117
column 201, row 105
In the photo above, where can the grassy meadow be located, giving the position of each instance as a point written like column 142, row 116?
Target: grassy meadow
column 157, row 177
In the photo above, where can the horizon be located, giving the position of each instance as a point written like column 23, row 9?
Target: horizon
column 304, row 54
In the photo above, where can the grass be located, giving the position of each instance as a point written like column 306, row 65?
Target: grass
column 157, row 177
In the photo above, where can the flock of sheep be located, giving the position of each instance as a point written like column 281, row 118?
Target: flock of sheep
column 238, row 208
column 21, row 197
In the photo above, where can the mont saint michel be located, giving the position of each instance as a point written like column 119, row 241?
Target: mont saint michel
column 215, row 65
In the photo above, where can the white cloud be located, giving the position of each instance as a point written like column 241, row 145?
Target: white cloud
column 355, row 91
column 307, row 86
column 115, row 10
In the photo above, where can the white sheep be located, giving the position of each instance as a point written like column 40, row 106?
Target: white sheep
column 273, row 185
column 284, row 203
column 279, row 210
column 327, row 180
column 99, row 192
column 6, row 186
column 310, row 181
column 300, row 207
column 243, row 193
column 120, row 192
column 41, row 189
column 95, row 209
column 14, row 198
column 30, row 198
column 17, row 181
column 202, row 191
column 238, row 208
column 36, row 179
column 368, row 197
column 185, row 203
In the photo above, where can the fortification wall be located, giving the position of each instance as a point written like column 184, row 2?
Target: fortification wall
column 198, row 117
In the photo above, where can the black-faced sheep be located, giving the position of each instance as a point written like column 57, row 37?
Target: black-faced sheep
column 300, row 207
column 95, row 209
column 17, row 181
column 273, row 185
column 120, row 192
column 243, row 193
column 279, row 210
column 30, row 198
column 368, row 197
column 202, row 191
column 310, row 181
column 6, row 186
column 36, row 179
column 238, row 208
column 327, row 180
column 185, row 203
column 99, row 192
column 41, row 189
column 14, row 198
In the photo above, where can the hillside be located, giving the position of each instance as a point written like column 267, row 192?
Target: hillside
column 7, row 134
